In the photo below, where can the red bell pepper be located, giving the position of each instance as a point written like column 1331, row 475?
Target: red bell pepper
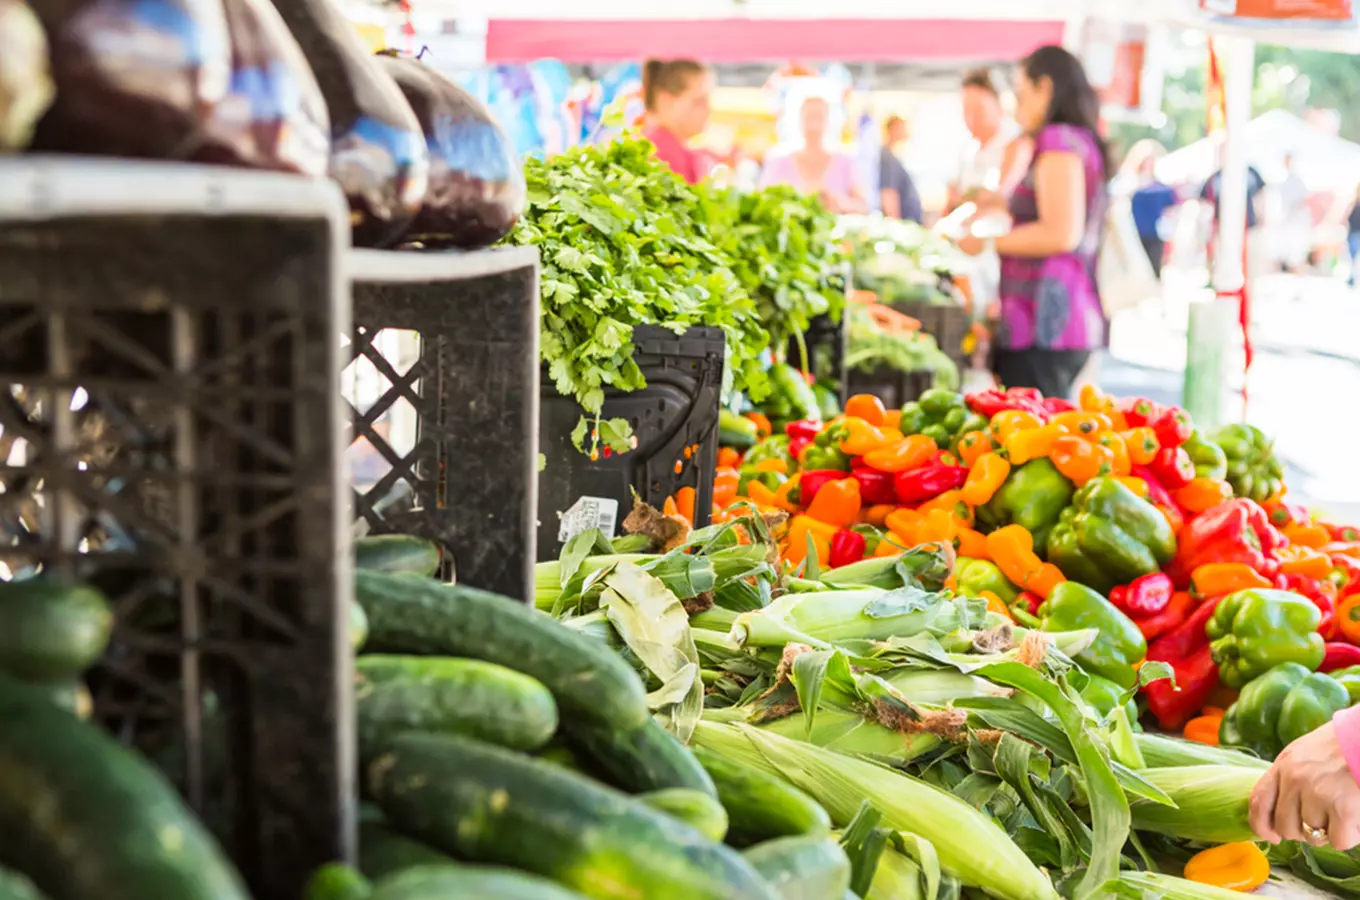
column 1339, row 656
column 1345, row 573
column 798, row 445
column 1196, row 678
column 928, row 482
column 1344, row 533
column 1172, row 427
column 1173, row 467
column 989, row 403
column 875, row 488
column 1321, row 592
column 1176, row 613
column 1271, row 537
column 847, row 547
column 1229, row 532
column 803, row 428
column 1180, row 642
column 1146, row 596
column 809, row 483
column 1138, row 411
column 1055, row 405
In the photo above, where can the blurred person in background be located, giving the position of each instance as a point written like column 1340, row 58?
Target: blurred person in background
column 899, row 197
column 1150, row 202
column 998, row 153
column 813, row 169
column 1296, row 220
column 676, row 93
column 1353, row 233
column 1050, row 314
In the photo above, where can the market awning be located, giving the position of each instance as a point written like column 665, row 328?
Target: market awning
column 730, row 40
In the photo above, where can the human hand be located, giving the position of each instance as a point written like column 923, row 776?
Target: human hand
column 971, row 244
column 1309, row 787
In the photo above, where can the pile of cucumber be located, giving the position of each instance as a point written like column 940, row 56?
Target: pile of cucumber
column 506, row 756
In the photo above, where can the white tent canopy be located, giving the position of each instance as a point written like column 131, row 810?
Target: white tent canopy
column 1324, row 161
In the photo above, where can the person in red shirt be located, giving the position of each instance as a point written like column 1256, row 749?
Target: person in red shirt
column 676, row 94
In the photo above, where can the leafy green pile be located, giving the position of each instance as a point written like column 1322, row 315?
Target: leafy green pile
column 623, row 241
column 783, row 252
column 898, row 260
column 870, row 347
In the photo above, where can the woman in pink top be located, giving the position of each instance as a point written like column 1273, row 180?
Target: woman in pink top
column 676, row 95
column 1312, row 792
column 816, row 170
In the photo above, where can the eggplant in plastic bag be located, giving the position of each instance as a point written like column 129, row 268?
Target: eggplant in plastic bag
column 273, row 116
column 134, row 78
column 25, row 83
column 477, row 190
column 378, row 153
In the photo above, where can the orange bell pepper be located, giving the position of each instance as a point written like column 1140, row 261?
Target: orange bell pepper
column 890, row 545
column 1348, row 617
column 684, row 503
column 1137, row 485
column 1239, row 866
column 937, row 525
column 985, row 478
column 1012, row 549
column 795, row 551
column 1088, row 425
column 1009, row 421
column 728, row 458
column 903, row 456
column 1080, row 460
column 837, row 503
column 996, row 605
column 951, row 502
column 772, row 465
column 760, row 495
column 1203, row 729
column 876, row 516
column 1217, row 579
column 763, row 426
column 1031, row 443
column 1203, row 493
column 1299, row 560
column 725, row 487
column 801, row 526
column 1142, row 444
column 1043, row 581
column 974, row 444
column 866, row 407
column 972, row 544
column 1315, row 536
column 903, row 524
column 1092, row 399
column 781, row 496
column 862, row 437
column 892, row 419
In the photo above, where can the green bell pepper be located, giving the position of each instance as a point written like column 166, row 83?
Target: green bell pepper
column 1033, row 496
column 1280, row 707
column 937, row 403
column 791, row 397
column 1114, row 536
column 913, row 418
column 776, row 446
column 748, row 474
column 1209, row 459
column 1253, row 631
column 975, row 575
column 1065, row 552
column 1349, row 678
column 736, row 431
column 1118, row 645
column 818, row 458
column 1103, row 695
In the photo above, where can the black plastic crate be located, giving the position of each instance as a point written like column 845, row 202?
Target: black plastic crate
column 827, row 343
column 893, row 386
column 169, row 431
column 948, row 323
column 675, row 421
column 445, row 441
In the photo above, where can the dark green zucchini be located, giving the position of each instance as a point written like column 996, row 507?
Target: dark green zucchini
column 476, row 699
column 455, row 882
column 86, row 817
column 51, row 632
column 396, row 553
column 759, row 806
column 803, row 868
column 591, row 685
column 335, row 881
column 644, row 759
column 382, row 851
column 480, row 802
column 698, row 810
column 14, row 886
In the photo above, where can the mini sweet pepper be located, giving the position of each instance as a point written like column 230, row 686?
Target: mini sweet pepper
column 1119, row 644
column 1253, row 631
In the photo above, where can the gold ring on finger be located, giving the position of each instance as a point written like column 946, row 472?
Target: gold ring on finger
column 1316, row 835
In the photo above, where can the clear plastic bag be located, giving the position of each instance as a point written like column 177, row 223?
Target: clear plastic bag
column 477, row 190
column 25, row 82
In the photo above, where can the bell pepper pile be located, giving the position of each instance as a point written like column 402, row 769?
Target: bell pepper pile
column 1109, row 514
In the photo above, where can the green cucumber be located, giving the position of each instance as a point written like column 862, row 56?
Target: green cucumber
column 458, row 696
column 382, row 851
column 480, row 802
column 803, row 868
column 643, row 759
column 51, row 632
column 358, row 627
column 335, row 881
column 559, row 754
column 696, row 809
column 759, row 806
column 86, row 817
column 450, row 882
column 396, row 553
column 591, row 684
column 14, row 886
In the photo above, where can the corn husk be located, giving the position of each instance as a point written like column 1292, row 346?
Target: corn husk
column 1153, row 886
column 1211, row 803
column 1161, row 751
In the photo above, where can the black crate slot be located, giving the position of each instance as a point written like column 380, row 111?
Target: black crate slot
column 893, row 386
column 947, row 323
column 827, row 344
column 675, row 422
column 442, row 379
column 169, row 431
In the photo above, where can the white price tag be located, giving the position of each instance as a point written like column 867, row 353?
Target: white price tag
column 587, row 513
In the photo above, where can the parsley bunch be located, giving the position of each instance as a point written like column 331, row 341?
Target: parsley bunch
column 623, row 241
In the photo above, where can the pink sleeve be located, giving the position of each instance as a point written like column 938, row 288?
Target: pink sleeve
column 1347, row 724
column 842, row 179
column 778, row 171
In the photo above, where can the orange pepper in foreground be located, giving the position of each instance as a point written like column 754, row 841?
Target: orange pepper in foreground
column 876, row 516
column 938, row 525
column 866, row 407
column 728, row 458
column 902, row 524
column 1204, row 493
column 974, row 444
column 684, row 502
column 1122, row 465
column 1315, row 536
column 1087, row 425
column 837, row 503
column 1137, row 485
column 862, row 438
column 1142, row 444
column 1203, row 729
column 1044, row 580
column 985, row 477
column 1080, row 460
column 1238, row 866
column 759, row 494
column 725, row 487
column 995, row 604
column 1092, row 398
column 903, row 456
column 892, row 419
column 773, row 464
column 1299, row 560
column 1012, row 549
column 1348, row 617
column 1031, row 443
column 781, row 496
column 1217, row 579
column 1009, row 421
column 972, row 544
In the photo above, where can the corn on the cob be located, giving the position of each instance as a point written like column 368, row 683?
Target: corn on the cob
column 1211, row 803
